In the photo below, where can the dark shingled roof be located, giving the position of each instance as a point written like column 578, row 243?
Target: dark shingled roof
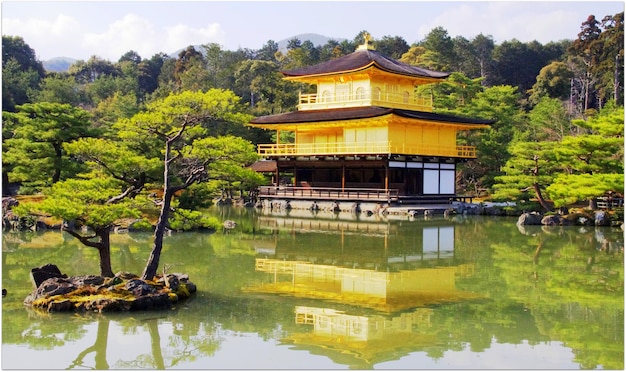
column 362, row 59
column 264, row 166
column 309, row 116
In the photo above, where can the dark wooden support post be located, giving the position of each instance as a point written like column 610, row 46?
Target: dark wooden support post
column 387, row 177
column 387, row 183
column 277, row 183
column 343, row 174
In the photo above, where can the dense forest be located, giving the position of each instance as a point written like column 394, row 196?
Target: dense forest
column 558, row 107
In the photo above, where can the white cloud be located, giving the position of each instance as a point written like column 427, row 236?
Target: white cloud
column 46, row 37
column 135, row 33
column 128, row 33
column 65, row 36
column 508, row 20
column 181, row 36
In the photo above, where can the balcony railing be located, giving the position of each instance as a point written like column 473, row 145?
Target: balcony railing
column 394, row 100
column 329, row 193
column 367, row 148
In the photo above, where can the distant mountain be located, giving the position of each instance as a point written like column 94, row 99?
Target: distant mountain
column 316, row 39
column 58, row 64
column 62, row 64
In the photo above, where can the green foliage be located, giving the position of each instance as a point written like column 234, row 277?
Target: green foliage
column 94, row 68
column 227, row 159
column 530, row 163
column 463, row 96
column 439, row 47
column 85, row 201
column 502, row 104
column 114, row 92
column 575, row 168
column 21, row 72
column 548, row 121
column 475, row 57
column 112, row 158
column 198, row 112
column 33, row 140
column 609, row 122
column 599, row 54
column 414, row 56
column 392, row 46
column 591, row 153
column 18, row 86
column 184, row 220
column 554, row 81
column 198, row 195
column 113, row 108
column 59, row 88
column 568, row 189
column 518, row 64
column 262, row 83
column 142, row 225
column 456, row 91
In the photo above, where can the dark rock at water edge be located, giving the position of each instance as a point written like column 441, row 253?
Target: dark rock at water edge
column 532, row 218
column 602, row 219
column 40, row 274
column 554, row 220
column 123, row 292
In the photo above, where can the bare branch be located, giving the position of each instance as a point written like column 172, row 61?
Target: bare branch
column 83, row 239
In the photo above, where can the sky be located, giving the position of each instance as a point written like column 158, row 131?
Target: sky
column 109, row 29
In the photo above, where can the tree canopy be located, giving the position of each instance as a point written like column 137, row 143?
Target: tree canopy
column 174, row 127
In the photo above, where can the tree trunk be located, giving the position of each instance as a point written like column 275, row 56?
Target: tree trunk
column 103, row 245
column 99, row 347
column 6, row 189
column 616, row 79
column 155, row 255
column 104, row 249
column 56, row 176
column 593, row 204
column 152, row 265
column 155, row 343
column 542, row 201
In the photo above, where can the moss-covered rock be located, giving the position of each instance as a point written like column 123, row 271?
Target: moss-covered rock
column 124, row 292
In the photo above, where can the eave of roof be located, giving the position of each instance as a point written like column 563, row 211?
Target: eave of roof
column 312, row 116
column 362, row 59
column 264, row 166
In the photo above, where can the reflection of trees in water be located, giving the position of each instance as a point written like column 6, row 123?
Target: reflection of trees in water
column 184, row 345
column 155, row 359
column 562, row 284
column 571, row 281
column 99, row 348
column 188, row 339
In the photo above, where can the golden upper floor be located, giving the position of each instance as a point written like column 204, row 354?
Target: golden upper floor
column 364, row 78
column 366, row 104
column 368, row 131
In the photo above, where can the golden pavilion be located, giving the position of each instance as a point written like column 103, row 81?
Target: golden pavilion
column 365, row 135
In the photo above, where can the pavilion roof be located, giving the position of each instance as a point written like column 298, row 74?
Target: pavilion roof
column 310, row 116
column 264, row 166
column 360, row 60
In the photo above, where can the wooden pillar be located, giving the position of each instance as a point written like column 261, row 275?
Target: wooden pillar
column 277, row 174
column 343, row 174
column 387, row 176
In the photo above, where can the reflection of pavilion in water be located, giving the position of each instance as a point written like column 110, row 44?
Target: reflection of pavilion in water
column 385, row 267
column 342, row 269
column 365, row 244
column 362, row 341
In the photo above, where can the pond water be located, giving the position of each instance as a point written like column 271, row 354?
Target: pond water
column 298, row 291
